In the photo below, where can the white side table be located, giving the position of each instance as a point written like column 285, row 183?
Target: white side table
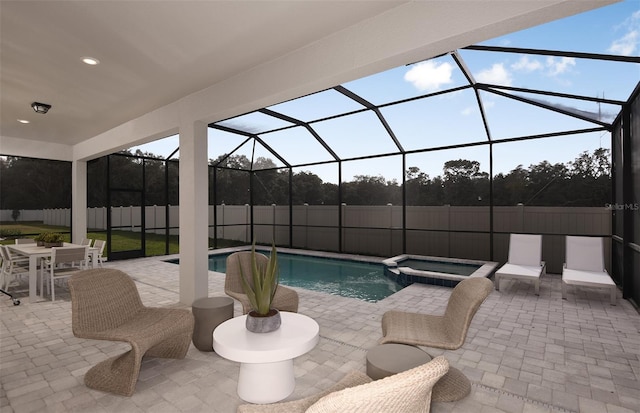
column 266, row 359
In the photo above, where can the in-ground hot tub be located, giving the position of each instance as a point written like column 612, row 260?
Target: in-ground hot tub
column 447, row 272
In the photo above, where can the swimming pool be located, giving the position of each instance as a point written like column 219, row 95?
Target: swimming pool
column 447, row 272
column 356, row 279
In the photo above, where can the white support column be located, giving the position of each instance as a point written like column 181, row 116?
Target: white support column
column 78, row 200
column 194, row 221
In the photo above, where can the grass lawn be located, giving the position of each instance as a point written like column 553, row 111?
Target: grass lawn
column 120, row 240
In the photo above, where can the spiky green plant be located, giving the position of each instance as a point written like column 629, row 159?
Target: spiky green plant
column 265, row 281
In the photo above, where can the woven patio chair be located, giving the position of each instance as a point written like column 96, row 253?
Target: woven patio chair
column 285, row 299
column 106, row 305
column 352, row 379
column 447, row 331
column 406, row 392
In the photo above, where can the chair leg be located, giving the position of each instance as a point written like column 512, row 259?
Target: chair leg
column 564, row 290
column 613, row 295
column 497, row 282
column 451, row 387
column 42, row 283
column 117, row 375
column 537, row 286
column 175, row 347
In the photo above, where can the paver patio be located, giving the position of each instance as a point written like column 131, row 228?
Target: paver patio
column 523, row 353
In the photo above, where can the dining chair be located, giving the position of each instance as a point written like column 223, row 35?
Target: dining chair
column 86, row 241
column 13, row 267
column 99, row 244
column 63, row 263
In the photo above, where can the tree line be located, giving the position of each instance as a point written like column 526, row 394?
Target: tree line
column 585, row 181
column 27, row 183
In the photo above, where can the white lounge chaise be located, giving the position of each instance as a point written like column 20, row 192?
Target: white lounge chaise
column 525, row 260
column 584, row 266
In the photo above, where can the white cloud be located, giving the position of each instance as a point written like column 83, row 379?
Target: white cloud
column 429, row 76
column 496, row 75
column 525, row 64
column 625, row 45
column 559, row 66
column 469, row 110
column 628, row 43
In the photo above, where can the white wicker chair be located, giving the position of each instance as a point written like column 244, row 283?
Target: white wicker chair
column 406, row 392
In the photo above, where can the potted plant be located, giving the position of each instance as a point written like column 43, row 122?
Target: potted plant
column 52, row 239
column 40, row 238
column 260, row 290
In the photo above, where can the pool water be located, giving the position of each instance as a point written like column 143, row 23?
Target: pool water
column 355, row 279
column 441, row 271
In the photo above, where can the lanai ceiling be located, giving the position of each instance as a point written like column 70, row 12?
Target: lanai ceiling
column 155, row 53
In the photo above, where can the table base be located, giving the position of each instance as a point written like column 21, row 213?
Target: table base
column 262, row 383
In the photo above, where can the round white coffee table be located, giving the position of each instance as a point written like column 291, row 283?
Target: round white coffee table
column 266, row 359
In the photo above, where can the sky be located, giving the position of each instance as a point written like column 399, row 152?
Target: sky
column 454, row 118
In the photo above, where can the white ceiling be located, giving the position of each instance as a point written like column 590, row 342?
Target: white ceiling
column 154, row 53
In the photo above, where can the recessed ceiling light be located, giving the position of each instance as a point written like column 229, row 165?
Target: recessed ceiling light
column 40, row 107
column 92, row 61
column 23, row 121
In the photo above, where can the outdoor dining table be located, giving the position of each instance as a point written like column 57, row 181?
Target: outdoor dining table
column 35, row 253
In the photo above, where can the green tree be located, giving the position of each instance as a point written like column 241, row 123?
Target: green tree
column 511, row 188
column 27, row 183
column 464, row 183
column 590, row 178
column 307, row 187
column 547, row 184
column 370, row 190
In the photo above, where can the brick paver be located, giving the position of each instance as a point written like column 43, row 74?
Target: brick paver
column 523, row 354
